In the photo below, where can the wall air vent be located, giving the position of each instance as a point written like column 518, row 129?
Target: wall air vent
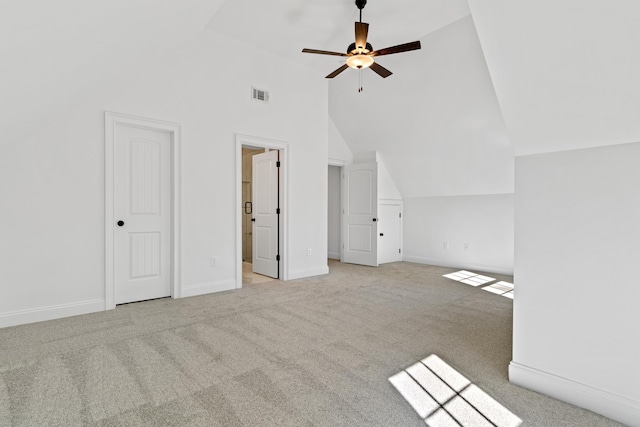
column 259, row 94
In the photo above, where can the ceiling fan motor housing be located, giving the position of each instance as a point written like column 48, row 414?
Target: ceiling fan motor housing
column 352, row 48
column 360, row 4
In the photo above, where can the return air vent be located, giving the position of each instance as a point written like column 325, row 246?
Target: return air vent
column 259, row 94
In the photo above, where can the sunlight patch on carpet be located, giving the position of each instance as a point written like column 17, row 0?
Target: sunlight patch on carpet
column 443, row 397
column 469, row 278
column 501, row 288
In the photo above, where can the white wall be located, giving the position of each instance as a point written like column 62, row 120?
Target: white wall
column 334, row 212
column 57, row 53
column 436, row 121
column 566, row 73
column 387, row 189
column 339, row 151
column 437, row 125
column 484, row 222
column 576, row 311
column 52, row 184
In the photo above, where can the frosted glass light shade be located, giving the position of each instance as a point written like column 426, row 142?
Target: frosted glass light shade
column 359, row 61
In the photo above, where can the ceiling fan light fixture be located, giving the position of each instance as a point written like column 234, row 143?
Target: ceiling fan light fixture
column 359, row 61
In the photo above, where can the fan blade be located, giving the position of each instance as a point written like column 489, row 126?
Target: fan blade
column 338, row 71
column 397, row 49
column 382, row 72
column 324, row 52
column 362, row 29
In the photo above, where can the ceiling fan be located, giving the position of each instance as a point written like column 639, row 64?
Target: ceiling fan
column 361, row 54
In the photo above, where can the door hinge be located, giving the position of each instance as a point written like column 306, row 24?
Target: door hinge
column 278, row 164
column 399, row 251
column 277, row 257
column 400, row 215
column 278, row 211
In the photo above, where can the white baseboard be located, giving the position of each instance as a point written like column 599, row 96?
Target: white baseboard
column 610, row 405
column 463, row 265
column 51, row 312
column 333, row 255
column 301, row 274
column 208, row 288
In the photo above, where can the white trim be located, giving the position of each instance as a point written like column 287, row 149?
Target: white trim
column 466, row 265
column 301, row 274
column 255, row 141
column 337, row 162
column 610, row 405
column 334, row 255
column 208, row 288
column 111, row 120
column 51, row 312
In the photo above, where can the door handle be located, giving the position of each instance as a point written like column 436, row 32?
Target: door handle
column 253, row 220
column 120, row 223
column 248, row 208
column 381, row 234
column 375, row 219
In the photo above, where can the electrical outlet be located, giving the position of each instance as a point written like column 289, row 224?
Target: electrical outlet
column 308, row 251
column 213, row 261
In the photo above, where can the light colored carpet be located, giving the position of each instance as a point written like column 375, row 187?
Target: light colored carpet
column 315, row 351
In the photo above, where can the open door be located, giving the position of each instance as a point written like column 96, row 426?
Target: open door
column 266, row 212
column 360, row 205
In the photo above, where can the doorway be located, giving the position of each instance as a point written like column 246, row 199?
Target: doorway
column 142, row 196
column 334, row 214
column 261, row 192
column 260, row 220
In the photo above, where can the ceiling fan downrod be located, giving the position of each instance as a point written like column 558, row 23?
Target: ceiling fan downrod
column 360, row 4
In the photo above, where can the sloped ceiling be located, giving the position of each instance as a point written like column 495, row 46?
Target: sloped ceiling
column 568, row 74
column 55, row 52
column 435, row 122
column 435, row 117
column 285, row 27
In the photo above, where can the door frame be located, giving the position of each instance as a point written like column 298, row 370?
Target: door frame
column 339, row 164
column 259, row 142
column 111, row 120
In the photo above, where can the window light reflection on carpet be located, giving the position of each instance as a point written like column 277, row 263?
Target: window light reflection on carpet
column 443, row 397
column 469, row 278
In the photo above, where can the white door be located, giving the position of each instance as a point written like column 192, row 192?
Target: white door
column 265, row 213
column 142, row 211
column 389, row 232
column 360, row 214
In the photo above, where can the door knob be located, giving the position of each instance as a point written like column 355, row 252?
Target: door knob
column 375, row 219
column 120, row 223
column 381, row 234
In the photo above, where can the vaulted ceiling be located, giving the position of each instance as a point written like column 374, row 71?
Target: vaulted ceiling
column 284, row 27
column 493, row 76
column 435, row 122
